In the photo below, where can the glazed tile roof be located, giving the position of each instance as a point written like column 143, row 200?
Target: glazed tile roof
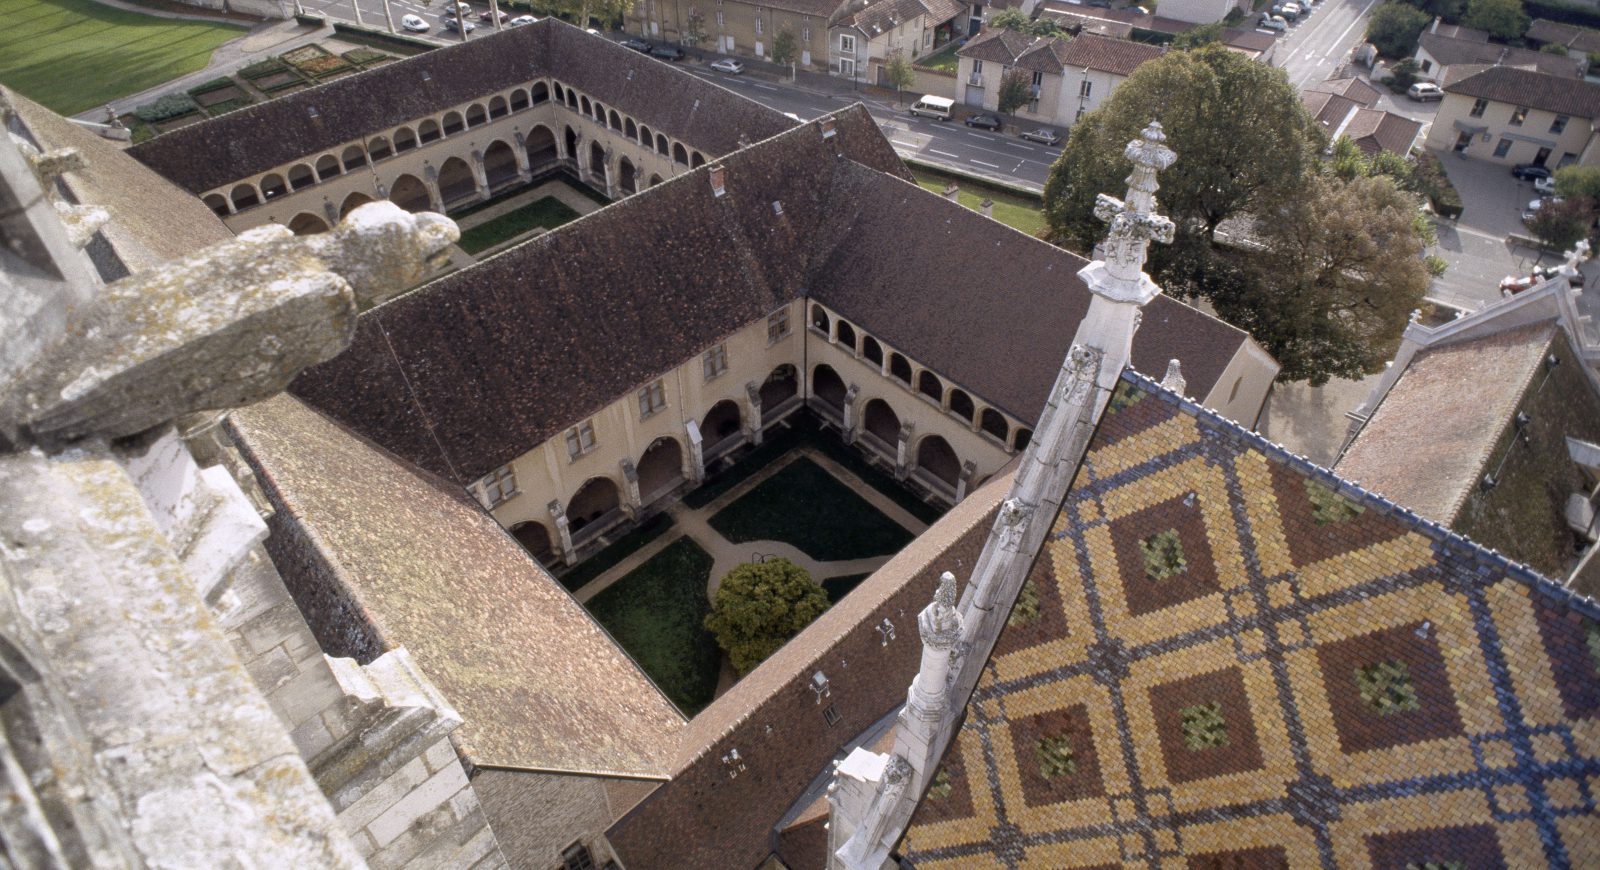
column 997, row 322
column 1527, row 88
column 1426, row 444
column 538, row 683
column 240, row 144
column 1239, row 660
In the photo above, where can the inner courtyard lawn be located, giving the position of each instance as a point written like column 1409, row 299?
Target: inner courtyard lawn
column 547, row 213
column 74, row 55
column 657, row 613
column 808, row 507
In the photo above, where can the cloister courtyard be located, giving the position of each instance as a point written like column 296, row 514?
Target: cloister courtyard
column 802, row 495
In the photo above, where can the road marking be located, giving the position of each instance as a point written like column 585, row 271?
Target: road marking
column 979, row 162
column 902, row 144
column 944, row 153
column 976, row 135
column 762, row 86
column 1019, row 145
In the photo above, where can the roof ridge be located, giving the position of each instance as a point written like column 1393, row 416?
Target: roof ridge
column 1438, row 533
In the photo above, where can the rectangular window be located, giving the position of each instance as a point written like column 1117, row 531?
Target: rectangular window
column 497, row 487
column 847, row 44
column 977, row 66
column 1085, row 89
column 715, row 361
column 577, row 857
column 831, row 715
column 758, row 24
column 847, row 68
column 1479, row 108
column 580, row 439
column 1038, row 79
column 927, row 39
column 1502, row 148
column 652, row 399
column 805, row 30
column 1520, row 115
column 1559, row 125
column 719, row 17
column 778, row 325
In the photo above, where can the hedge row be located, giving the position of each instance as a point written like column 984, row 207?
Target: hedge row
column 213, row 85
column 166, row 108
column 1436, row 186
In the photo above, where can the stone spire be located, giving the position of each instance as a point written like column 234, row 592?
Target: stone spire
column 873, row 796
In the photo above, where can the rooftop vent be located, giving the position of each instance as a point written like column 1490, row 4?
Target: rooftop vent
column 312, row 111
column 719, row 178
column 777, row 207
column 427, row 76
column 830, row 127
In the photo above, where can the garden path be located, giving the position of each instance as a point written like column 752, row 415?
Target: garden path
column 694, row 523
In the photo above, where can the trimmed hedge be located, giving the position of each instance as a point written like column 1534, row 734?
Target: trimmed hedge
column 167, row 107
column 213, row 85
column 229, row 105
column 1436, row 186
column 264, row 68
column 364, row 55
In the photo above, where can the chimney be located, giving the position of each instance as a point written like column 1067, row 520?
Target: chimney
column 950, row 191
column 987, row 207
column 719, row 177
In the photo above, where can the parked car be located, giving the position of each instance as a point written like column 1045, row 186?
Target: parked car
column 1544, row 186
column 1512, row 284
column 728, row 65
column 987, row 122
column 1273, row 22
column 1424, row 92
column 1530, row 171
column 458, row 24
column 487, row 16
column 667, row 52
column 1043, row 135
column 413, row 24
column 458, row 9
column 638, row 45
column 522, row 19
column 1288, row 11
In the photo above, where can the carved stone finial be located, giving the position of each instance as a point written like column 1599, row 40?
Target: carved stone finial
column 940, row 623
column 1174, row 380
column 1575, row 258
column 1415, row 317
column 1134, row 224
column 946, row 594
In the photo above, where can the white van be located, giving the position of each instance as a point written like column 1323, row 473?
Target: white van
column 937, row 108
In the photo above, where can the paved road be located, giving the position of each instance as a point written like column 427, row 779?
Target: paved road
column 1321, row 40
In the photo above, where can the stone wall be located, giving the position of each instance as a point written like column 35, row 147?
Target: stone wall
column 537, row 815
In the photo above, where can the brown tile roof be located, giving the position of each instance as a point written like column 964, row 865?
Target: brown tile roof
column 1449, row 51
column 1375, row 130
column 821, row 9
column 1426, row 443
column 539, row 685
column 1524, row 88
column 1456, row 31
column 997, row 44
column 1233, row 659
column 1253, row 41
column 422, row 367
column 152, row 221
column 1584, row 39
column 1044, row 56
column 1353, row 89
column 1328, row 110
column 213, row 153
column 1115, row 56
column 1460, row 71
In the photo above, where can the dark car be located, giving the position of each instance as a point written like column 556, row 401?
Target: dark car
column 667, row 52
column 987, row 122
column 636, row 44
column 487, row 16
column 1530, row 171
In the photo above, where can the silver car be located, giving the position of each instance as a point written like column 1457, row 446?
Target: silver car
column 1043, row 135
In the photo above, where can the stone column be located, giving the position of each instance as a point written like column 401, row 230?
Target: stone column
column 902, row 457
column 479, row 176
column 611, row 174
column 430, row 179
column 524, row 170
column 697, row 456
column 563, row 532
column 752, row 399
column 850, row 413
column 965, row 480
column 331, row 211
column 633, row 501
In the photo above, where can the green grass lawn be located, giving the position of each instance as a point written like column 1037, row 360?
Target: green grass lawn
column 808, row 507
column 73, row 55
column 657, row 612
column 1014, row 211
column 548, row 213
column 943, row 60
column 615, row 552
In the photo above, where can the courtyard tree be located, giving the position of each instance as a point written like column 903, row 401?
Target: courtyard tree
column 759, row 607
column 900, row 73
column 784, row 47
column 1339, row 275
column 1394, row 27
column 1240, row 130
column 1016, row 90
column 1502, row 18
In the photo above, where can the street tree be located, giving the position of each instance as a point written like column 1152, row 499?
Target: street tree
column 1205, row 34
column 1016, row 90
column 1394, row 28
column 900, row 73
column 1340, row 272
column 1240, row 130
column 761, row 605
column 694, row 28
column 1559, row 224
column 1502, row 18
column 1579, row 181
column 784, row 47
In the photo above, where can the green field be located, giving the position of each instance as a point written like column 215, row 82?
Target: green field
column 74, row 55
column 1014, row 210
